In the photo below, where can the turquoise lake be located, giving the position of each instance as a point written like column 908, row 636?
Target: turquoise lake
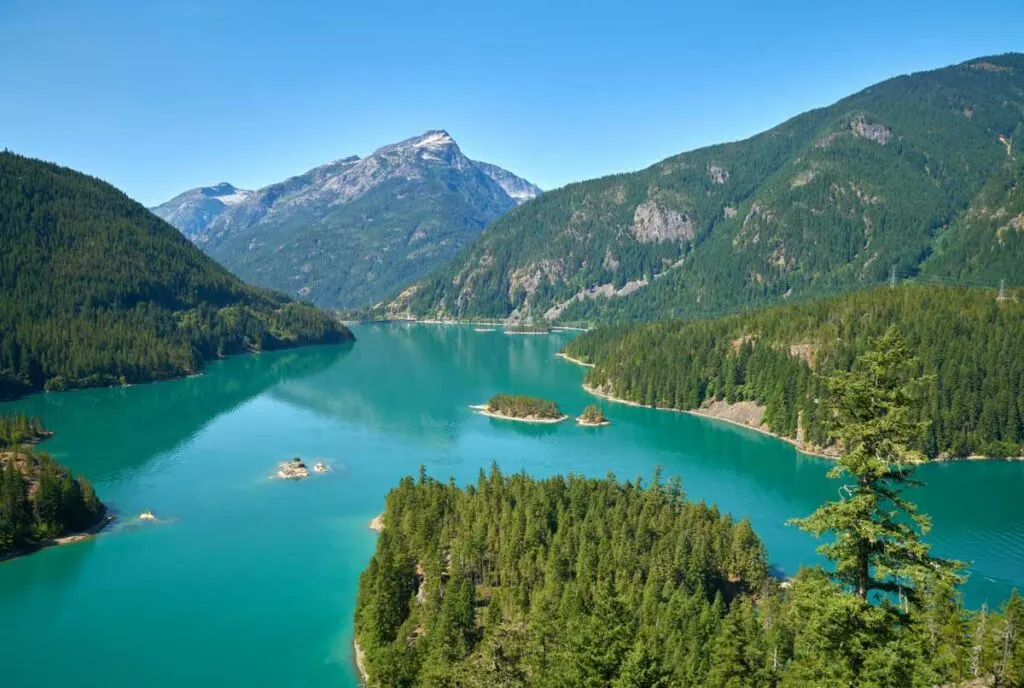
column 249, row 581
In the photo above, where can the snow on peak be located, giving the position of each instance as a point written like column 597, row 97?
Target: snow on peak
column 434, row 139
column 235, row 198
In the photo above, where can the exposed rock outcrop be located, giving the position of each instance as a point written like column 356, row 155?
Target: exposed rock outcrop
column 653, row 222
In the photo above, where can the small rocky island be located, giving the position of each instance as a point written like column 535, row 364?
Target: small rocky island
column 521, row 408
column 593, row 417
column 292, row 469
column 296, row 469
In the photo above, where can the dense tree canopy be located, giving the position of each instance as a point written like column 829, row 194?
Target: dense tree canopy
column 522, row 406
column 39, row 498
column 578, row 582
column 582, row 582
column 95, row 290
column 969, row 342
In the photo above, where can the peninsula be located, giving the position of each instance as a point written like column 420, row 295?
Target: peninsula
column 41, row 502
column 521, row 408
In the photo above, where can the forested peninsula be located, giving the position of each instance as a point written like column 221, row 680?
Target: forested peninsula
column 768, row 368
column 572, row 581
column 95, row 290
column 41, row 502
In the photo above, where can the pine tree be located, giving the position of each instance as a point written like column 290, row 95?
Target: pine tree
column 877, row 546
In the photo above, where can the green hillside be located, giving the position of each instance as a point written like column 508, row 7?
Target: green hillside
column 969, row 341
column 918, row 174
column 95, row 290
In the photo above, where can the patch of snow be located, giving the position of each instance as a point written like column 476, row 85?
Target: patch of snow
column 434, row 139
column 239, row 196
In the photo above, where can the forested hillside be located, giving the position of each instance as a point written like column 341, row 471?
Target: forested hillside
column 970, row 342
column 95, row 290
column 918, row 175
column 39, row 498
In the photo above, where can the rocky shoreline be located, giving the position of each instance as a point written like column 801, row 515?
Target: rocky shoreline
column 483, row 410
column 827, row 453
column 68, row 539
column 574, row 360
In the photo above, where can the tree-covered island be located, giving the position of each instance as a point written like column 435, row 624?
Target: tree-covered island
column 522, row 408
column 41, row 502
column 593, row 416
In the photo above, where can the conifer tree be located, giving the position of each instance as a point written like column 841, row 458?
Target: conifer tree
column 877, row 546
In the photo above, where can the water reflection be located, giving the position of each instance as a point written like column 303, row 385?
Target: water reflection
column 139, row 423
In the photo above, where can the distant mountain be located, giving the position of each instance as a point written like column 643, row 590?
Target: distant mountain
column 194, row 210
column 517, row 188
column 355, row 230
column 920, row 174
column 96, row 290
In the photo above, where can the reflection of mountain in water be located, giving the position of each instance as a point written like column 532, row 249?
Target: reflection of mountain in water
column 432, row 374
column 147, row 420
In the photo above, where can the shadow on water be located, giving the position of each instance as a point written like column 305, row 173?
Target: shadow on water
column 145, row 421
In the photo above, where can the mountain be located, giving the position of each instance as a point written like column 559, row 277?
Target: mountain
column 919, row 174
column 355, row 230
column 96, row 290
column 518, row 189
column 194, row 210
column 766, row 368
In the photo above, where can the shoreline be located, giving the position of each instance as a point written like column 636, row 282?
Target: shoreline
column 483, row 323
column 573, row 360
column 699, row 414
column 68, row 539
column 788, row 440
column 584, row 424
column 185, row 375
column 481, row 409
column 364, row 678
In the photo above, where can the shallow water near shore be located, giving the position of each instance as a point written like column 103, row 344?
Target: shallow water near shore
column 244, row 580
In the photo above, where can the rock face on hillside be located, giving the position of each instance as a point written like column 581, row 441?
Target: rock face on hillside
column 919, row 172
column 355, row 230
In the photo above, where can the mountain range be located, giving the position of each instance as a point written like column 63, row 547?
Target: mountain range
column 353, row 231
column 918, row 177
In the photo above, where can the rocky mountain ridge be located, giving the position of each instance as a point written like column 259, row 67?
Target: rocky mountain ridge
column 356, row 229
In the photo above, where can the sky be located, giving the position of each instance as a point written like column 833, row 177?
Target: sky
column 160, row 97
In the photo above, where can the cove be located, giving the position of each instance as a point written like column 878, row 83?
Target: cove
column 250, row 581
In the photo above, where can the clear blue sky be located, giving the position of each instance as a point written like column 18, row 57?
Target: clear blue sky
column 157, row 97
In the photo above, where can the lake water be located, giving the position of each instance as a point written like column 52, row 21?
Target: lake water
column 250, row 581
